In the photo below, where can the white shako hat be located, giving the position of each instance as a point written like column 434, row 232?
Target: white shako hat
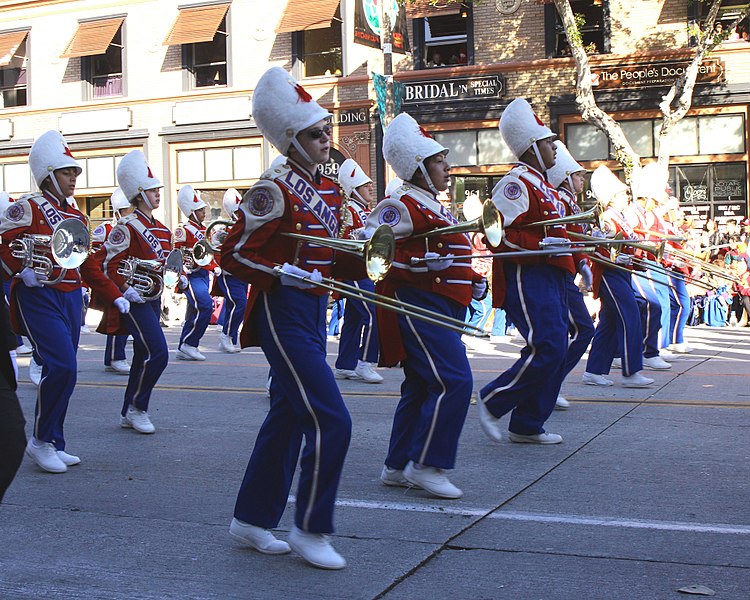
column 652, row 183
column 565, row 165
column 5, row 202
column 188, row 200
column 522, row 129
column 351, row 176
column 605, row 185
column 472, row 207
column 134, row 176
column 231, row 201
column 282, row 108
column 393, row 185
column 118, row 200
column 49, row 153
column 406, row 145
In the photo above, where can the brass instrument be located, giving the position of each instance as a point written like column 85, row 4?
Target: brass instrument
column 547, row 250
column 664, row 236
column 702, row 265
column 212, row 240
column 588, row 217
column 490, row 223
column 377, row 252
column 197, row 256
column 657, row 250
column 68, row 244
column 149, row 277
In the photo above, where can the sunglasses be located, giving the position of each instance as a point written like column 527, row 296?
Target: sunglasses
column 316, row 134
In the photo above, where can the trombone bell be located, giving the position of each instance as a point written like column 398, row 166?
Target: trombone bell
column 590, row 217
column 490, row 223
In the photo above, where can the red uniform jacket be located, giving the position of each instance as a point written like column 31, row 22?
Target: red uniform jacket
column 613, row 222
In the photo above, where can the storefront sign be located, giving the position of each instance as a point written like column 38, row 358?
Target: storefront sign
column 367, row 24
column 730, row 210
column 653, row 74
column 728, row 188
column 356, row 116
column 458, row 88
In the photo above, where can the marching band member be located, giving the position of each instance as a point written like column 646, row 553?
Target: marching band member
column 138, row 235
column 619, row 326
column 199, row 303
column 286, row 317
column 436, row 391
column 358, row 344
column 114, row 351
column 680, row 298
column 50, row 314
column 233, row 289
column 569, row 177
column 533, row 291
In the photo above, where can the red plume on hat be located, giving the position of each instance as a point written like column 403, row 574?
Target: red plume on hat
column 302, row 92
column 538, row 120
column 150, row 174
column 67, row 152
column 424, row 132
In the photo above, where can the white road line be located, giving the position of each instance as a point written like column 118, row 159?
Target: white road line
column 720, row 528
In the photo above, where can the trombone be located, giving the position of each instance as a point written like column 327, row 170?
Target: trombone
column 490, row 223
column 68, row 244
column 588, row 217
column 547, row 250
column 664, row 236
column 702, row 265
column 618, row 240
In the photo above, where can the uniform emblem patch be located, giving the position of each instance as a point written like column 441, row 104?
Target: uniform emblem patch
column 14, row 212
column 512, row 191
column 99, row 230
column 261, row 203
column 389, row 216
column 117, row 236
column 179, row 234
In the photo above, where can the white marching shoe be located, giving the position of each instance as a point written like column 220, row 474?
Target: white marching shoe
column 226, row 344
column 537, row 438
column 432, row 480
column 44, row 454
column 187, row 352
column 257, row 537
column 118, row 366
column 316, row 549
column 682, row 348
column 365, row 372
column 594, row 379
column 70, row 460
column 561, row 403
column 138, row 420
column 488, row 422
column 24, row 350
column 656, row 363
column 665, row 354
column 636, row 380
column 35, row 372
column 394, row 478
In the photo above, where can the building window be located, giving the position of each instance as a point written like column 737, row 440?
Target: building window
column 206, row 62
column 444, row 39
column 104, row 72
column 13, row 76
column 729, row 11
column 710, row 191
column 592, row 18
column 15, row 178
column 317, row 52
column 475, row 147
column 219, row 164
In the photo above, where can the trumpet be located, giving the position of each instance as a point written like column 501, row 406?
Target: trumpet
column 68, row 244
column 588, row 217
column 377, row 252
column 490, row 223
column 149, row 277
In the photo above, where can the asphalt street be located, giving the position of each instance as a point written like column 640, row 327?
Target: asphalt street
column 647, row 494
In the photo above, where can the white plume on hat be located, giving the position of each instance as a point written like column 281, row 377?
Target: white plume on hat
column 565, row 165
column 393, row 185
column 652, row 182
column 118, row 200
column 521, row 128
column 189, row 200
column 605, row 185
column 134, row 175
column 49, row 153
column 406, row 145
column 231, row 201
column 351, row 176
column 282, row 108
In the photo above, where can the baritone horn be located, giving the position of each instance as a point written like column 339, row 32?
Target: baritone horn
column 150, row 277
column 377, row 252
column 212, row 241
column 68, row 244
column 490, row 223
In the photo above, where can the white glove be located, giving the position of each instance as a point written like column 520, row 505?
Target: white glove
column 184, row 283
column 438, row 265
column 587, row 277
column 30, row 277
column 479, row 289
column 122, row 304
column 287, row 276
column 217, row 271
column 598, row 233
column 132, row 295
column 624, row 259
column 677, row 263
column 359, row 234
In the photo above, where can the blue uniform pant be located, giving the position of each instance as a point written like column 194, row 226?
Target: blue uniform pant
column 660, row 284
column 650, row 309
column 580, row 326
column 337, row 313
column 479, row 311
column 619, row 328
column 305, row 403
column 53, row 321
column 359, row 334
column 680, row 304
column 437, row 387
column 150, row 354
column 6, row 288
column 115, row 348
column 235, row 301
column 199, row 309
column 536, row 301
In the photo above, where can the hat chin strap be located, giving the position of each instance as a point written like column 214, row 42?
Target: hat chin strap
column 569, row 179
column 427, row 178
column 146, row 200
column 303, row 152
column 57, row 186
column 542, row 165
